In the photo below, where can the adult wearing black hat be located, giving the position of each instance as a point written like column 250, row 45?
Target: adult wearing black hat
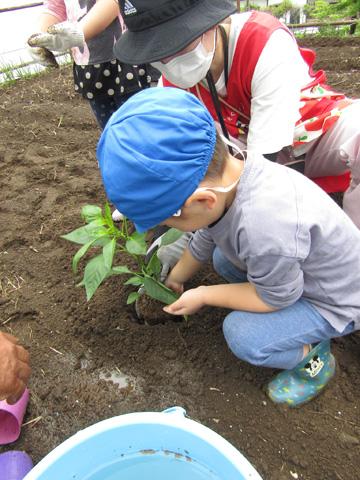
column 254, row 79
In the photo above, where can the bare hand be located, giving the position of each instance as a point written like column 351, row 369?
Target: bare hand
column 174, row 285
column 190, row 302
column 14, row 368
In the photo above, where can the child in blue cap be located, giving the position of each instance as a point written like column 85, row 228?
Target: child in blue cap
column 290, row 254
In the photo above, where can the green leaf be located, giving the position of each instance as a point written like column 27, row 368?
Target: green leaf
column 87, row 233
column 136, row 244
column 119, row 270
column 171, row 236
column 91, row 212
column 132, row 297
column 94, row 274
column 102, row 241
column 154, row 265
column 108, row 253
column 80, row 236
column 158, row 291
column 137, row 281
column 108, row 216
column 79, row 254
column 97, row 222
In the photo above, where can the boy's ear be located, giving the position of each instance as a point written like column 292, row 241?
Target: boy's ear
column 207, row 198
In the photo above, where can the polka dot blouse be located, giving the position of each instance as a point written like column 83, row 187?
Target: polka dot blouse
column 110, row 78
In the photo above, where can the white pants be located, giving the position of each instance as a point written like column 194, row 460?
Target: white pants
column 337, row 151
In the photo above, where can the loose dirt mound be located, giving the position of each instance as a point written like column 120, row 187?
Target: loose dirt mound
column 48, row 171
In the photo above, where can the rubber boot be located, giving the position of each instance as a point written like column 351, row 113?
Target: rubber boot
column 305, row 381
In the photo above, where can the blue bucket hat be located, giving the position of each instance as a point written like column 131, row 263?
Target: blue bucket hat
column 154, row 152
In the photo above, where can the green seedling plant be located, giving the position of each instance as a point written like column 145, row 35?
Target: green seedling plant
column 105, row 240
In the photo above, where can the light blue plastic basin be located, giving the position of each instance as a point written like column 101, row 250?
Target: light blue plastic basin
column 141, row 446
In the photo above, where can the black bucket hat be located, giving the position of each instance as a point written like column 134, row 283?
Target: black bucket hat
column 160, row 28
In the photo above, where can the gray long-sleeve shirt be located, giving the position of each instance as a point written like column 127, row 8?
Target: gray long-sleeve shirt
column 292, row 240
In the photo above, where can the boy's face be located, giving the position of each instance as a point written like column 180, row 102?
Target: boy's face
column 210, row 200
column 187, row 222
column 200, row 210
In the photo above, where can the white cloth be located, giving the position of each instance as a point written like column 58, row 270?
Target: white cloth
column 275, row 86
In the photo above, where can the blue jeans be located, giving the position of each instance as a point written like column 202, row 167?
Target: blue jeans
column 274, row 339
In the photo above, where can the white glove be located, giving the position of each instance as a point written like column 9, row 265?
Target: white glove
column 117, row 216
column 170, row 254
column 59, row 37
column 43, row 56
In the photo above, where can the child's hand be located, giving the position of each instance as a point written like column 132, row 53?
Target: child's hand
column 190, row 302
column 174, row 285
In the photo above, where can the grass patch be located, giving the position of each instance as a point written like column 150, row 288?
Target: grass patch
column 11, row 72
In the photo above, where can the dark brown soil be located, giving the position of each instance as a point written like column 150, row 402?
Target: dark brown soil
column 48, row 171
column 150, row 311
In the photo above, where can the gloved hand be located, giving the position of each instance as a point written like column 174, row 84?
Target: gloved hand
column 59, row 37
column 170, row 254
column 43, row 56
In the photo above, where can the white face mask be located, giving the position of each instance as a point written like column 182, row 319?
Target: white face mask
column 188, row 69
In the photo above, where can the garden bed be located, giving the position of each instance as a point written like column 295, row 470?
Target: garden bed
column 91, row 360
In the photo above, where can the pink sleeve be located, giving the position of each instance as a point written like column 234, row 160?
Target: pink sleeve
column 56, row 8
